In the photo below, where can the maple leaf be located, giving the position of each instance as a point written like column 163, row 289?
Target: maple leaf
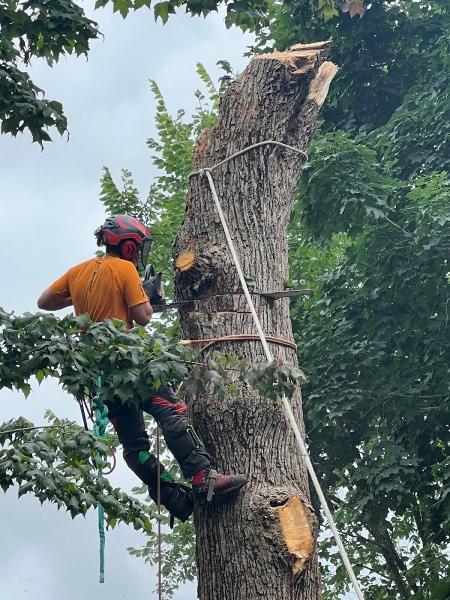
column 354, row 7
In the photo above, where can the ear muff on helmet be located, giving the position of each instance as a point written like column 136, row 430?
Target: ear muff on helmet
column 129, row 250
column 131, row 237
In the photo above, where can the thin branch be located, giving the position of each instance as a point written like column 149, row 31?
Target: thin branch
column 20, row 429
column 396, row 225
column 371, row 570
column 362, row 539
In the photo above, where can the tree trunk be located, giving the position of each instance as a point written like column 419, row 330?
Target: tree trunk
column 394, row 563
column 260, row 544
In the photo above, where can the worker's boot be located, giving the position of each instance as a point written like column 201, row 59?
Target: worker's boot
column 176, row 497
column 209, row 485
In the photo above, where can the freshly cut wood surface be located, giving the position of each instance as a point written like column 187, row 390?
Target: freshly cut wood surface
column 185, row 261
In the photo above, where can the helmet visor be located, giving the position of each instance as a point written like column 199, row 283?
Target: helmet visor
column 143, row 254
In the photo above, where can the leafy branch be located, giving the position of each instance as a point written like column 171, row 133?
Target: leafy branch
column 60, row 464
column 133, row 364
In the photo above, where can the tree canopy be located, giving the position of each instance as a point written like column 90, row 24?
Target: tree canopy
column 370, row 233
column 51, row 29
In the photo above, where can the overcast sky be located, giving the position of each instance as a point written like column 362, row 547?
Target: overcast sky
column 49, row 209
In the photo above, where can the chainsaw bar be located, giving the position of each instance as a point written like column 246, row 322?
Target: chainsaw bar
column 272, row 295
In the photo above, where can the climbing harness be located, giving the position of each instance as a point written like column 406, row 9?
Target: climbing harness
column 100, row 418
column 206, row 172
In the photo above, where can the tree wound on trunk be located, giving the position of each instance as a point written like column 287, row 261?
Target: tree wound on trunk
column 295, row 521
column 289, row 522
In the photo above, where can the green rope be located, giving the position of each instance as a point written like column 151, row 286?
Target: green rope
column 101, row 535
column 100, row 412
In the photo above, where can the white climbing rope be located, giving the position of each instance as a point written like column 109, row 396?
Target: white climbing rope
column 285, row 402
column 243, row 151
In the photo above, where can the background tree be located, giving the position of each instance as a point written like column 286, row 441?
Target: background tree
column 370, row 232
column 31, row 29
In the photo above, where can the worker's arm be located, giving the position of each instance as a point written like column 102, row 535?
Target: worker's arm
column 141, row 313
column 57, row 296
column 48, row 300
column 139, row 307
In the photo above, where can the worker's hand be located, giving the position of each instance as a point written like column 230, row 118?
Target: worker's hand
column 152, row 285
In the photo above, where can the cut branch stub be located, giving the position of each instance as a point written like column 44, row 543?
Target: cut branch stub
column 195, row 273
column 185, row 261
column 200, row 273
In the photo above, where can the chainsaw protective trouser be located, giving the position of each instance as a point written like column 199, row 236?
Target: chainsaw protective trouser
column 170, row 413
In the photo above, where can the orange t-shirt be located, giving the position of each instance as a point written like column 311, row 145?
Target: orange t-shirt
column 103, row 288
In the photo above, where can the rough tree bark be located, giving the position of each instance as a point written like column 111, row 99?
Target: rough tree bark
column 262, row 544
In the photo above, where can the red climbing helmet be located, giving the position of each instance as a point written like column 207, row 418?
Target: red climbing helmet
column 128, row 233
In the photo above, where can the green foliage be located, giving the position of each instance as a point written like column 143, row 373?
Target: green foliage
column 76, row 351
column 246, row 14
column 173, row 157
column 345, row 184
column 59, row 464
column 370, row 234
column 125, row 201
column 381, row 55
column 49, row 29
column 372, row 239
column 284, row 378
column 40, row 29
column 376, row 407
column 416, row 139
column 167, row 195
column 164, row 207
column 132, row 363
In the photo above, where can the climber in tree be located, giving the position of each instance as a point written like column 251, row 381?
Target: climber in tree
column 110, row 287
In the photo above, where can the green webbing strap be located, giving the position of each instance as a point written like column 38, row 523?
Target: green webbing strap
column 100, row 412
